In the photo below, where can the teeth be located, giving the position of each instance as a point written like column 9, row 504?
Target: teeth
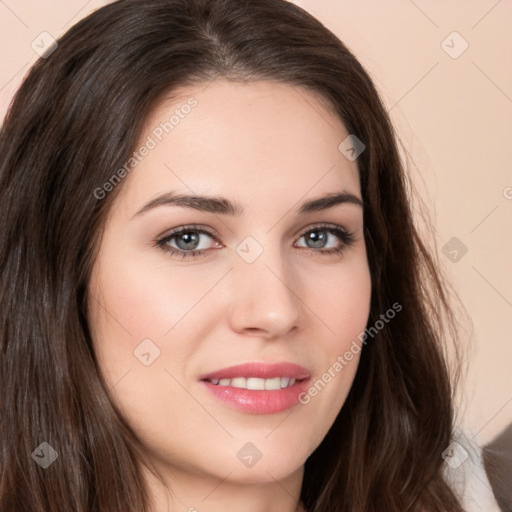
column 274, row 383
column 256, row 384
column 239, row 382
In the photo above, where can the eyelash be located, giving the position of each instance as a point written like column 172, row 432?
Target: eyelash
column 346, row 237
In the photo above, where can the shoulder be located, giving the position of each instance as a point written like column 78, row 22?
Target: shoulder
column 464, row 472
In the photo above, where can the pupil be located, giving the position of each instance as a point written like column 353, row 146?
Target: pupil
column 190, row 239
column 318, row 240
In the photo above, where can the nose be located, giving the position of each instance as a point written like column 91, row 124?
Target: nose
column 264, row 298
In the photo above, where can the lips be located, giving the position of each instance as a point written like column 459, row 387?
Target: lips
column 258, row 388
column 261, row 371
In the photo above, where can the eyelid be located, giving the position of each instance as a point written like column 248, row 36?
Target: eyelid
column 188, row 227
column 321, row 225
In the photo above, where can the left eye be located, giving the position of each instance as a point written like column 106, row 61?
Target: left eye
column 319, row 238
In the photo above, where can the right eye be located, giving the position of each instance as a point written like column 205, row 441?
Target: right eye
column 186, row 242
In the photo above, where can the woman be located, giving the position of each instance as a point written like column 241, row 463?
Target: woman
column 214, row 297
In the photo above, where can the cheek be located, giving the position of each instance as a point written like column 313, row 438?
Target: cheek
column 342, row 305
column 341, row 302
column 149, row 299
column 139, row 303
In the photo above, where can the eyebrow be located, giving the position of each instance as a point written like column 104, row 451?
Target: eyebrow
column 223, row 206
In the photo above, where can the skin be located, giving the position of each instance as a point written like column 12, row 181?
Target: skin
column 269, row 147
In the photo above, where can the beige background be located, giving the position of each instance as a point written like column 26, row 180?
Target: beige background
column 454, row 117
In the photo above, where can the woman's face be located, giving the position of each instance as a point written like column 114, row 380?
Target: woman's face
column 258, row 284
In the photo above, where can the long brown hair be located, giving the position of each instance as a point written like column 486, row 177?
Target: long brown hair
column 76, row 120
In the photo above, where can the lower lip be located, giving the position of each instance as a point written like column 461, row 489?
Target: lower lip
column 258, row 401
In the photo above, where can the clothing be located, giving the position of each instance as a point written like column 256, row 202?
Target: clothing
column 465, row 472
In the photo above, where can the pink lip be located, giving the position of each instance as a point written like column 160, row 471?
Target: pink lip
column 259, row 401
column 260, row 370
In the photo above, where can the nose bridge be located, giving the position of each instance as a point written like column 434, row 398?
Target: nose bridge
column 264, row 298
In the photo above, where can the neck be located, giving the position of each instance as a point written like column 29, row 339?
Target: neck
column 175, row 489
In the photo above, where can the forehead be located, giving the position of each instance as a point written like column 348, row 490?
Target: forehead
column 253, row 140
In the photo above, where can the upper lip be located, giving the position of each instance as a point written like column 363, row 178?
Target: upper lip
column 259, row 370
